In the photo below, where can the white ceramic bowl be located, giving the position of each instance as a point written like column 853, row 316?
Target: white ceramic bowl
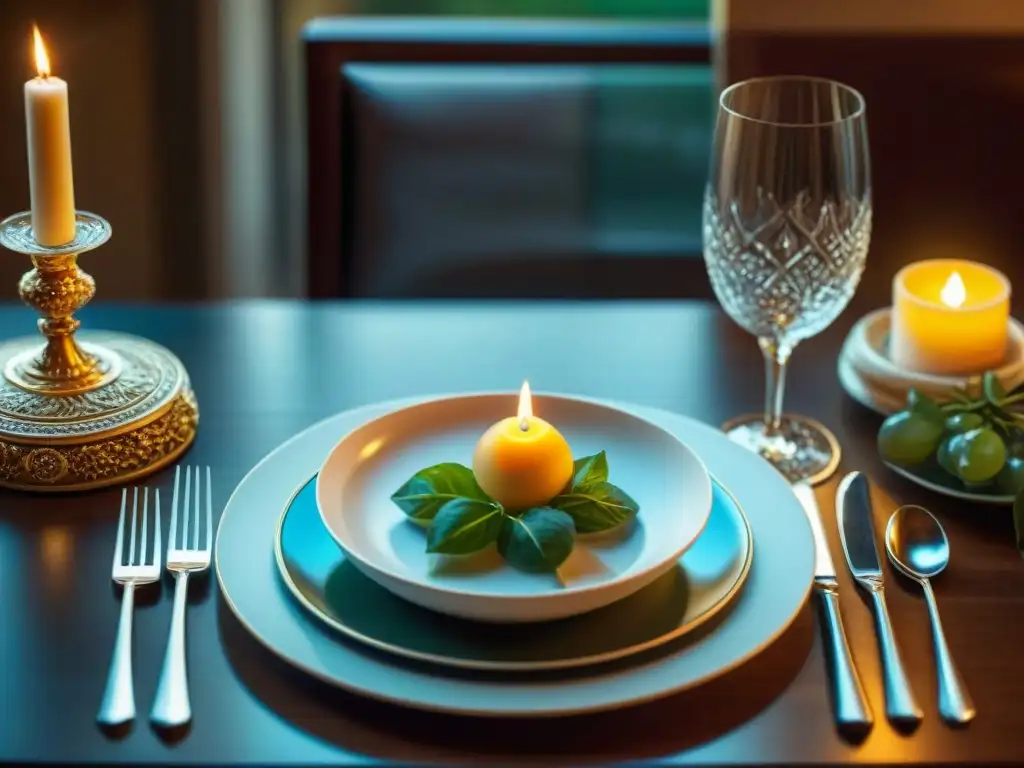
column 664, row 476
column 869, row 376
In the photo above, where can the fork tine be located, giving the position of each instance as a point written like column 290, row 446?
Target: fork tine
column 209, row 511
column 135, row 514
column 118, row 548
column 157, row 549
column 186, row 506
column 198, row 509
column 174, row 510
column 145, row 517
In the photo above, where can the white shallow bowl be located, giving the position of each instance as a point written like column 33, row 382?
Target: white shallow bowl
column 663, row 475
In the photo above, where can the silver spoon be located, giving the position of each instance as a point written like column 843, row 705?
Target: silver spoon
column 918, row 547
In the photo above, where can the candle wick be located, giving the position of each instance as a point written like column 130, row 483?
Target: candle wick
column 524, row 424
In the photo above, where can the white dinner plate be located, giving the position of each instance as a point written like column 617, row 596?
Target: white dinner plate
column 776, row 589
column 663, row 475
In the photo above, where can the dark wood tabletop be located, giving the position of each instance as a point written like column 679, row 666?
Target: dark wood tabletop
column 264, row 370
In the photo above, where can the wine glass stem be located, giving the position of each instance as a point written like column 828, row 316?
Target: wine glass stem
column 776, row 356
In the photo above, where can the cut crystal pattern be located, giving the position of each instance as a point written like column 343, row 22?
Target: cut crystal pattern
column 786, row 270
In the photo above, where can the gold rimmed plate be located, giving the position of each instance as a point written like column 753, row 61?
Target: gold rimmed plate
column 700, row 588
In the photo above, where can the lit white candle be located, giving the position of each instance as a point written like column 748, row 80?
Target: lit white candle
column 49, row 154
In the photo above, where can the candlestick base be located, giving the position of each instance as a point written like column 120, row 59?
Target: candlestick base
column 77, row 416
column 869, row 376
column 114, row 433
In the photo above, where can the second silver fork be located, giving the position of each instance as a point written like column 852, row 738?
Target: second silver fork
column 172, row 707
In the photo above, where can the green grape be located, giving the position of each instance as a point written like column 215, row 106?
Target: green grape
column 1016, row 448
column 908, row 438
column 949, row 452
column 1010, row 479
column 983, row 455
column 963, row 422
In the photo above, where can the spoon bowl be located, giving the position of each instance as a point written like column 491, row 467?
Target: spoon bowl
column 917, row 546
column 916, row 542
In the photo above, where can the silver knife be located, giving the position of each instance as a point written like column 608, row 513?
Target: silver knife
column 857, row 530
column 851, row 705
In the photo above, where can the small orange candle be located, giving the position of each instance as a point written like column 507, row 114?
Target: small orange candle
column 522, row 461
column 949, row 318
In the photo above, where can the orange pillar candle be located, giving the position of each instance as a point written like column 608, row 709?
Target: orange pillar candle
column 949, row 318
column 522, row 462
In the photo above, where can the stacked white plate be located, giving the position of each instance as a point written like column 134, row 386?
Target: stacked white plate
column 719, row 535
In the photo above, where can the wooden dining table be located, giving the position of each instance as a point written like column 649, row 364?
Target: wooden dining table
column 264, row 370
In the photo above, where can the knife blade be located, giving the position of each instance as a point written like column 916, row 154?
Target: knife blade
column 857, row 527
column 857, row 532
column 851, row 708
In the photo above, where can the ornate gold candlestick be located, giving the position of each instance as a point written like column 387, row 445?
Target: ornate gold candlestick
column 78, row 414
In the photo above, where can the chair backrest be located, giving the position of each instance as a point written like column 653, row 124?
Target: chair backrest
column 473, row 157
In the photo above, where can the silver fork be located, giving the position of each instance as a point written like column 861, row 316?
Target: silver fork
column 118, row 704
column 172, row 706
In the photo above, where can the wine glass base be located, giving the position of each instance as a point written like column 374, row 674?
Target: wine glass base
column 802, row 449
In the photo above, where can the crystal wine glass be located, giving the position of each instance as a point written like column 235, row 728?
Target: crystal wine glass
column 787, row 222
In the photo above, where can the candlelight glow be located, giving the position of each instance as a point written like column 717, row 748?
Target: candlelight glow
column 57, row 556
column 42, row 60
column 525, row 406
column 953, row 292
column 371, row 449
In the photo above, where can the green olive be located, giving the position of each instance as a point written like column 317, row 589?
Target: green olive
column 983, row 455
column 963, row 422
column 908, row 438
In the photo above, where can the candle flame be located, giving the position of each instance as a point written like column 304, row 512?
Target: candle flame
column 525, row 406
column 42, row 60
column 953, row 292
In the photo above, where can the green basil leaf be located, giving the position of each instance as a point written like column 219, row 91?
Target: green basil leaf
column 1018, row 522
column 540, row 539
column 589, row 470
column 924, row 406
column 598, row 508
column 428, row 490
column 463, row 526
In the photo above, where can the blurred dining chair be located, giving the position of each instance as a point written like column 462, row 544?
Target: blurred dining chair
column 945, row 99
column 477, row 158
